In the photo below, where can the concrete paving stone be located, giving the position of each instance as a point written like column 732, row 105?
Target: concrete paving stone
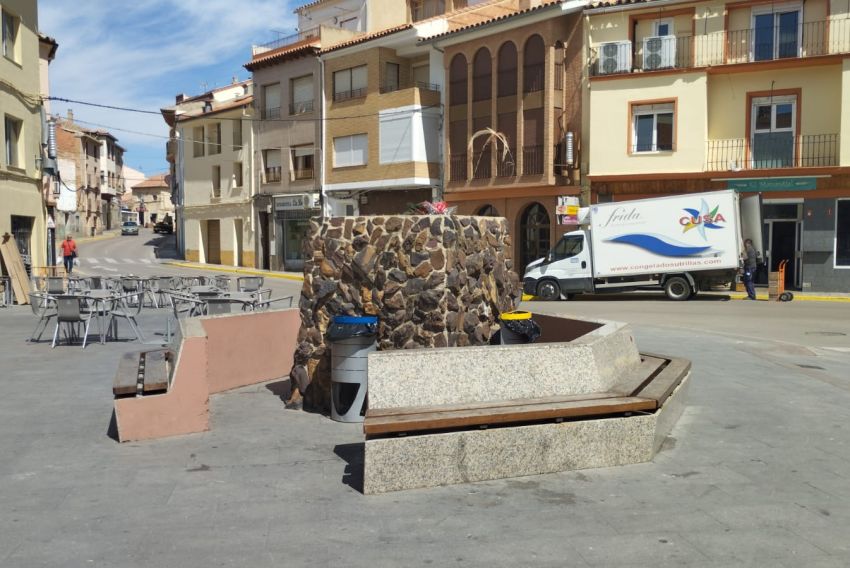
column 683, row 519
column 648, row 549
column 763, row 544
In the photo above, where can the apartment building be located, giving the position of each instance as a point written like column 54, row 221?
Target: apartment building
column 745, row 95
column 513, row 120
column 22, row 209
column 152, row 199
column 211, row 152
column 112, row 182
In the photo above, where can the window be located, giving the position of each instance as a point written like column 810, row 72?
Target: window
column 423, row 9
column 214, row 139
column 777, row 32
column 10, row 36
column 301, row 95
column 653, row 127
column 481, row 75
column 350, row 83
column 271, row 161
column 507, row 70
column 198, row 141
column 237, row 135
column 662, row 28
column 396, row 139
column 773, row 125
column 237, row 174
column 302, row 162
column 457, row 80
column 391, row 78
column 13, row 128
column 216, row 181
column 568, row 247
column 271, row 101
column 534, row 59
column 350, row 150
column 842, row 233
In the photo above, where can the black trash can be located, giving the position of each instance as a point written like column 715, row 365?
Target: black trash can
column 518, row 328
column 352, row 339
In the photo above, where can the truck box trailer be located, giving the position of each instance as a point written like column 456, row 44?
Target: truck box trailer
column 681, row 244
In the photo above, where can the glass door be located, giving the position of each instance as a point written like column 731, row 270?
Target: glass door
column 776, row 35
column 773, row 125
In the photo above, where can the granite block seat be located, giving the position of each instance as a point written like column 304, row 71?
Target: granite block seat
column 143, row 373
column 582, row 397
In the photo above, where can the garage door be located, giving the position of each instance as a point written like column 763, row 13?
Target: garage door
column 214, row 242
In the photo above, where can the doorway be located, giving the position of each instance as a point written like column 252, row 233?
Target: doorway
column 265, row 243
column 784, row 244
column 213, row 248
column 533, row 235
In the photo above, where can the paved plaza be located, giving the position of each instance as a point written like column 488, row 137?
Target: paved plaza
column 756, row 473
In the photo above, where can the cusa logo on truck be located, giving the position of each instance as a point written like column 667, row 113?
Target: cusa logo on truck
column 702, row 219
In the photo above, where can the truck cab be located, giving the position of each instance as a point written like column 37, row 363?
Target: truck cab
column 566, row 270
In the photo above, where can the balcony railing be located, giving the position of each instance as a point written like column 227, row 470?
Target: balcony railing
column 391, row 87
column 532, row 160
column 297, row 37
column 270, row 113
column 482, row 164
column 533, row 78
column 559, row 76
column 273, row 174
column 773, row 150
column 348, row 95
column 457, row 167
column 762, row 43
column 304, row 174
column 301, row 107
column 506, row 164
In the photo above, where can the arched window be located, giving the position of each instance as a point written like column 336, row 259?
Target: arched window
column 534, row 59
column 457, row 80
column 488, row 211
column 482, row 71
column 507, row 69
column 533, row 234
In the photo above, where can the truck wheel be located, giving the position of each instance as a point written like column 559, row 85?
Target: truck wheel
column 548, row 290
column 677, row 288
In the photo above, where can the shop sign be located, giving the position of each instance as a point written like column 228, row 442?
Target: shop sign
column 567, row 210
column 773, row 184
column 296, row 201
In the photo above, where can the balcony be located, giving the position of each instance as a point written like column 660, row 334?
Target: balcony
column 481, row 164
column 761, row 43
column 532, row 160
column 272, row 174
column 298, row 37
column 348, row 95
column 392, row 87
column 303, row 174
column 457, row 167
column 270, row 113
column 533, row 78
column 506, row 163
column 773, row 150
column 301, row 107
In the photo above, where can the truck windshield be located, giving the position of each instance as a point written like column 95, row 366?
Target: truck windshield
column 568, row 246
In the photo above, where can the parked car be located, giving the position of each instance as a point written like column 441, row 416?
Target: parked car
column 130, row 228
column 165, row 226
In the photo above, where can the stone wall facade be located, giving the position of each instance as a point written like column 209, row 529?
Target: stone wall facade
column 433, row 281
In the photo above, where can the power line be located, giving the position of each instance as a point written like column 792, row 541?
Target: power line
column 110, row 107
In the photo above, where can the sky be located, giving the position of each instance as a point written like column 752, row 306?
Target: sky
column 140, row 54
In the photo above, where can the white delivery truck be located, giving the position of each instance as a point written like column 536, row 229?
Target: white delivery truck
column 681, row 244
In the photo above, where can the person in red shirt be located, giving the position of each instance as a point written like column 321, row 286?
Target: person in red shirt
column 69, row 253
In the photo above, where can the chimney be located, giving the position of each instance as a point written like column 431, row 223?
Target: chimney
column 179, row 98
column 70, row 115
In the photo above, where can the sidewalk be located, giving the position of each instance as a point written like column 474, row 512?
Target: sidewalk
column 111, row 234
column 236, row 270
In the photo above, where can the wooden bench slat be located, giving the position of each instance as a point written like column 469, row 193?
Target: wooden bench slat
column 127, row 375
column 633, row 379
column 504, row 415
column 156, row 371
column 380, row 412
column 663, row 385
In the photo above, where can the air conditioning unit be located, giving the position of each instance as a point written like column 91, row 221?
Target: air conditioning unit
column 659, row 52
column 615, row 57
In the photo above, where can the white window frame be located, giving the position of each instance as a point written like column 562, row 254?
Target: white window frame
column 835, row 264
column 348, row 152
column 776, row 9
column 10, row 44
column 658, row 23
column 774, row 102
column 652, row 110
column 12, row 148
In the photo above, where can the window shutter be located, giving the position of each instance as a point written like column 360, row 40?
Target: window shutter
column 396, row 140
column 302, row 89
column 359, row 78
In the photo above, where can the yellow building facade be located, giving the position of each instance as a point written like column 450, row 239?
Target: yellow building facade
column 746, row 95
column 22, row 210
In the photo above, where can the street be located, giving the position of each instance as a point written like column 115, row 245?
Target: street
column 755, row 473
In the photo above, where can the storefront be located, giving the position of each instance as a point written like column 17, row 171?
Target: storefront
column 292, row 224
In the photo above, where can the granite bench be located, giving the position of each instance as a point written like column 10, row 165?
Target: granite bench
column 453, row 415
column 143, row 373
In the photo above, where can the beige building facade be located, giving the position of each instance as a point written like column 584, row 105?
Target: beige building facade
column 22, row 207
column 151, row 199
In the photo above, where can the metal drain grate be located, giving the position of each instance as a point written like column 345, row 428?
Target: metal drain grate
column 826, row 333
column 811, row 367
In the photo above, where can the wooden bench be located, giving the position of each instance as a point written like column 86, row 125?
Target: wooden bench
column 143, row 373
column 644, row 389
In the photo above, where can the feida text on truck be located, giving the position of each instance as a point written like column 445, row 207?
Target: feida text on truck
column 681, row 244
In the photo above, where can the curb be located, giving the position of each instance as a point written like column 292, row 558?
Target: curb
column 84, row 240
column 797, row 297
column 236, row 270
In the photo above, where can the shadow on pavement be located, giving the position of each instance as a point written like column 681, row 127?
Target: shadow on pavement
column 353, row 456
column 165, row 246
column 645, row 297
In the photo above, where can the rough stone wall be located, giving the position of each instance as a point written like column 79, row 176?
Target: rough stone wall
column 433, row 281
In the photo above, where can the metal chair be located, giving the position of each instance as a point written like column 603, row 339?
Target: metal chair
column 254, row 285
column 55, row 285
column 44, row 308
column 72, row 311
column 225, row 305
column 132, row 286
column 222, row 282
column 123, row 308
column 263, row 305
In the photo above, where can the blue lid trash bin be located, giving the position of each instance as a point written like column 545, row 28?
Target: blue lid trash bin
column 352, row 339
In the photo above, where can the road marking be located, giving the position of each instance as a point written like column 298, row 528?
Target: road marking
column 146, row 260
column 130, row 260
column 109, row 269
column 111, row 260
